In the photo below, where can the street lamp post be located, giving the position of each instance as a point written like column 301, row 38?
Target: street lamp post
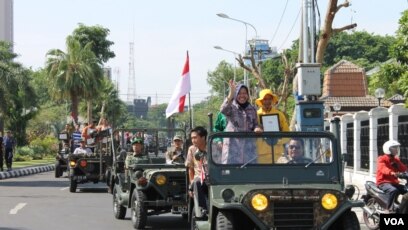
column 379, row 94
column 235, row 61
column 336, row 107
column 222, row 15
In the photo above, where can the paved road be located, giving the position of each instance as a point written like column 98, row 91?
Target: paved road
column 43, row 202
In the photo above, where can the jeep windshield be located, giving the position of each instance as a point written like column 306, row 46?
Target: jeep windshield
column 268, row 156
column 156, row 142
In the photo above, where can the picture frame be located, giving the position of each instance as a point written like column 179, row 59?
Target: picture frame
column 270, row 122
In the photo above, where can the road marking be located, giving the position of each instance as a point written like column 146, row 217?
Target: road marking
column 64, row 188
column 18, row 207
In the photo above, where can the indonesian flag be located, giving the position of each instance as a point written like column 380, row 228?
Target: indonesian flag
column 183, row 87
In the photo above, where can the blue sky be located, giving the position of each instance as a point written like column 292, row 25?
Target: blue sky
column 163, row 31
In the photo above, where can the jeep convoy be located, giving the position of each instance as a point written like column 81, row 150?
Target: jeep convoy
column 289, row 180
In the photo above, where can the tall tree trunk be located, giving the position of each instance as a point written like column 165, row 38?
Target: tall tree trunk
column 74, row 106
column 328, row 31
column 89, row 110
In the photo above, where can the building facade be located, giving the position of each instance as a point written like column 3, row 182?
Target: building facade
column 6, row 21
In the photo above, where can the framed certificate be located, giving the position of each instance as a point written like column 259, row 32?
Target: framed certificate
column 270, row 122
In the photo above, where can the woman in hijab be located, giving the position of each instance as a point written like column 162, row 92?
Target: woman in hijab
column 241, row 117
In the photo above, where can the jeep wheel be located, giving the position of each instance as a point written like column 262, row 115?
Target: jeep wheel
column 372, row 222
column 224, row 220
column 118, row 209
column 137, row 211
column 349, row 221
column 73, row 185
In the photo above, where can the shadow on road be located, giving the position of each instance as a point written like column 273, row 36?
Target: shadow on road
column 166, row 222
column 13, row 228
column 92, row 190
column 29, row 183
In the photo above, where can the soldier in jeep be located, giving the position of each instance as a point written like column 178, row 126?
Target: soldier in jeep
column 295, row 153
column 176, row 153
column 137, row 157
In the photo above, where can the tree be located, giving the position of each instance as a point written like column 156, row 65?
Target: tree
column 72, row 74
column 328, row 31
column 393, row 76
column 361, row 47
column 100, row 46
column 17, row 97
column 219, row 78
column 97, row 35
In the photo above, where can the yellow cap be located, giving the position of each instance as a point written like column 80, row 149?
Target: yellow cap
column 263, row 93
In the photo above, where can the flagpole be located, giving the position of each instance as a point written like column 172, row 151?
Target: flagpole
column 190, row 112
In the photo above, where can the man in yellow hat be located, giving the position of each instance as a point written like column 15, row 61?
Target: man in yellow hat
column 267, row 105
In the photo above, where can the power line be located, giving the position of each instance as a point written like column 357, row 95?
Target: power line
column 279, row 23
column 291, row 29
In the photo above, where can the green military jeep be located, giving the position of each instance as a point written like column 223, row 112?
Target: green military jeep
column 274, row 180
column 94, row 167
column 147, row 189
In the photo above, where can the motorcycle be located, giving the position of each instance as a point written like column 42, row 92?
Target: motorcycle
column 376, row 201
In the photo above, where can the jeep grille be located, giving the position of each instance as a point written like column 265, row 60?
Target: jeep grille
column 289, row 215
column 179, row 181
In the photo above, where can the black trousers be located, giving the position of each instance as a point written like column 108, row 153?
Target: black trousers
column 1, row 159
column 202, row 193
column 9, row 157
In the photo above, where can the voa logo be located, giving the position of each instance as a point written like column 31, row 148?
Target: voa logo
column 393, row 221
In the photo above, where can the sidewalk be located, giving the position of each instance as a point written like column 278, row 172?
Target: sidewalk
column 26, row 171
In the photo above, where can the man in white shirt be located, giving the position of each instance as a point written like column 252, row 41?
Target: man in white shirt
column 82, row 149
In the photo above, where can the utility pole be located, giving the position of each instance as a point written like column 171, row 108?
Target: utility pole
column 309, row 111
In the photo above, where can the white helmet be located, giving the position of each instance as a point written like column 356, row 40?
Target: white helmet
column 387, row 145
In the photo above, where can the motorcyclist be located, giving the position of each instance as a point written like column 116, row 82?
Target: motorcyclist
column 388, row 166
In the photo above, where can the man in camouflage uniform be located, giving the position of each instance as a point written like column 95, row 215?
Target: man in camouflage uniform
column 137, row 156
column 176, row 154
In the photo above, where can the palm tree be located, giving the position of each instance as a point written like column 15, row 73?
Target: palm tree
column 73, row 74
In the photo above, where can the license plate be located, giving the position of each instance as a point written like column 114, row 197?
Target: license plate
column 180, row 209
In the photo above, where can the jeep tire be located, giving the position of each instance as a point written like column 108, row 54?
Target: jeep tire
column 224, row 221
column 118, row 210
column 347, row 221
column 138, row 213
column 72, row 185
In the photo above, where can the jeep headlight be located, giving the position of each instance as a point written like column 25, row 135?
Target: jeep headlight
column 259, row 202
column 72, row 164
column 329, row 201
column 161, row 179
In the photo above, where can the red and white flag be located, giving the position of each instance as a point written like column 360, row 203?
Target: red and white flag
column 183, row 87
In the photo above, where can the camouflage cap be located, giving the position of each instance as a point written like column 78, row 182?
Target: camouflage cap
column 137, row 140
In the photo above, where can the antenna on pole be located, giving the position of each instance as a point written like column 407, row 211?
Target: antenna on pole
column 131, row 94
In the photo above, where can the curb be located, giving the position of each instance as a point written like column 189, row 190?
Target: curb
column 26, row 171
